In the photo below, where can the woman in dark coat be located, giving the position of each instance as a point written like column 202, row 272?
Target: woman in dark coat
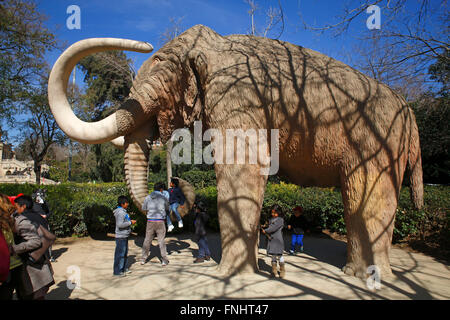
column 34, row 277
column 275, row 245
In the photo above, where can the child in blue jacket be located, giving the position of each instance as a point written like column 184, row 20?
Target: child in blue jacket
column 176, row 199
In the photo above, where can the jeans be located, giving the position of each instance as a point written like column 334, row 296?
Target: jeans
column 157, row 228
column 203, row 249
column 173, row 207
column 296, row 239
column 120, row 255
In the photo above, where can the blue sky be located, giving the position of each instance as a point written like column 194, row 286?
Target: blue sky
column 145, row 20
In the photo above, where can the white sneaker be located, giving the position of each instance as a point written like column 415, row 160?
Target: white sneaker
column 170, row 228
column 180, row 224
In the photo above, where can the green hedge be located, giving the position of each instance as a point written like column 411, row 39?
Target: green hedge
column 82, row 209
column 324, row 209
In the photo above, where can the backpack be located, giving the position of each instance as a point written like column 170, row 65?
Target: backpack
column 4, row 258
column 47, row 239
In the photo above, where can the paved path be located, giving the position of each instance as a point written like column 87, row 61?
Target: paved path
column 314, row 274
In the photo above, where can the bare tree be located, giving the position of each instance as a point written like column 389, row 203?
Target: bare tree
column 251, row 12
column 40, row 130
column 374, row 59
column 400, row 52
column 274, row 18
column 174, row 29
column 412, row 34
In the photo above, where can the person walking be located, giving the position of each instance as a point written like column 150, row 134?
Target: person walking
column 275, row 245
column 157, row 207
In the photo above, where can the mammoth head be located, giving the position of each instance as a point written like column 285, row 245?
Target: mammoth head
column 166, row 94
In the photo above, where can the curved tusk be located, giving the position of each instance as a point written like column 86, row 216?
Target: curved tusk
column 85, row 132
column 119, row 142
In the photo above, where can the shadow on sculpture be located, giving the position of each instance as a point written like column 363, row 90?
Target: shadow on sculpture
column 336, row 127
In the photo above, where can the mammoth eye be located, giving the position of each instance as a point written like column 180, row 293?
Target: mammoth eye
column 155, row 61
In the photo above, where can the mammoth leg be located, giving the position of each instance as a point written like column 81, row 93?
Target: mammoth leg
column 370, row 200
column 240, row 193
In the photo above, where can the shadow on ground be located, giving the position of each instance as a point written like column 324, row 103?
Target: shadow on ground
column 58, row 252
column 61, row 292
column 314, row 274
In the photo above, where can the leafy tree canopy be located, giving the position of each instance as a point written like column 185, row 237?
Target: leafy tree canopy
column 108, row 76
column 24, row 39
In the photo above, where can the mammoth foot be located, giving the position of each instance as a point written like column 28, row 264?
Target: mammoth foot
column 351, row 270
column 363, row 272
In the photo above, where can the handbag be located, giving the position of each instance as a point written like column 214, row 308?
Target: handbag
column 4, row 258
column 47, row 239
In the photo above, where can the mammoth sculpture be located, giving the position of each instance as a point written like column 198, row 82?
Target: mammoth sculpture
column 337, row 127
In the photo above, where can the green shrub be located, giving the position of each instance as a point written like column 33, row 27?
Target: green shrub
column 208, row 196
column 78, row 209
column 200, row 179
column 83, row 209
column 322, row 207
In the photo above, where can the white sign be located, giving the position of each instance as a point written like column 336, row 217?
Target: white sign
column 74, row 20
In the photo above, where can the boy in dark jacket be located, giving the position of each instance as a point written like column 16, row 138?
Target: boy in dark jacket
column 123, row 230
column 201, row 217
column 176, row 199
column 298, row 224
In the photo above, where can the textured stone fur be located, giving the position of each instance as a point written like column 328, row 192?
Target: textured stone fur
column 337, row 126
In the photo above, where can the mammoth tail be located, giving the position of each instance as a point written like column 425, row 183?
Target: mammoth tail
column 415, row 166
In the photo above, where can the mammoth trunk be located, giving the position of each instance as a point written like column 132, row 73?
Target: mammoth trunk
column 137, row 153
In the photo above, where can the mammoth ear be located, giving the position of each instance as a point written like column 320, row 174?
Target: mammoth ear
column 194, row 93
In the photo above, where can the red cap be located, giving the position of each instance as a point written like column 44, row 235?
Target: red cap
column 13, row 198
column 298, row 208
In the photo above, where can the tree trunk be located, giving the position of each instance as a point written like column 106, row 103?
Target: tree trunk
column 169, row 161
column 69, row 175
column 37, row 171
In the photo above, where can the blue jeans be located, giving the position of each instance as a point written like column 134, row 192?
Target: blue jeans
column 296, row 239
column 174, row 208
column 120, row 255
column 203, row 249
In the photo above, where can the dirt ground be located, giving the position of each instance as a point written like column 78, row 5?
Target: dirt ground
column 314, row 274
